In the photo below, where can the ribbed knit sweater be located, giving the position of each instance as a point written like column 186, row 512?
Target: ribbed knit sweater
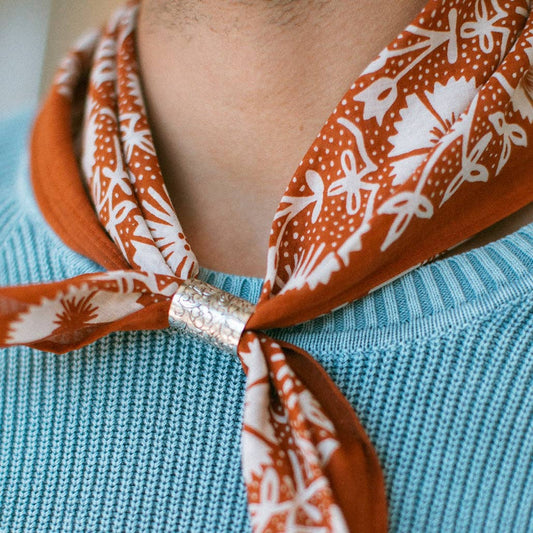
column 141, row 431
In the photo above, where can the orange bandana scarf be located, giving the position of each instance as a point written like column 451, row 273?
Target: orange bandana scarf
column 429, row 146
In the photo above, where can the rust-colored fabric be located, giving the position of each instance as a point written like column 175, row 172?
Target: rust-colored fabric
column 56, row 179
column 430, row 145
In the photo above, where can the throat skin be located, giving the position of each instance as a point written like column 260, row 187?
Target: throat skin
column 236, row 92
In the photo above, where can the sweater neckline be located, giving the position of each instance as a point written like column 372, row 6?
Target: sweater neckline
column 435, row 295
column 445, row 290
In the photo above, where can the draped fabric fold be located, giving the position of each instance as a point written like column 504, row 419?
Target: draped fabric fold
column 305, row 462
column 430, row 145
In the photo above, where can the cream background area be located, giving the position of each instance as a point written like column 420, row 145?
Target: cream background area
column 34, row 35
column 68, row 20
column 23, row 31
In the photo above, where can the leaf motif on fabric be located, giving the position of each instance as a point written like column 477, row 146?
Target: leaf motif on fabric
column 69, row 311
column 511, row 134
column 405, row 206
column 352, row 183
column 311, row 269
column 471, row 171
column 378, row 98
column 381, row 94
column 485, row 26
column 287, row 440
column 134, row 138
column 296, row 204
column 162, row 225
column 105, row 68
column 134, row 87
column 424, row 121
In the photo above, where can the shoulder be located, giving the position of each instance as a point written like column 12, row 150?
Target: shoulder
column 14, row 134
column 14, row 131
column 29, row 249
column 14, row 141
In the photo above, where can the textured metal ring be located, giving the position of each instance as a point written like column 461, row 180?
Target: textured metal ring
column 210, row 313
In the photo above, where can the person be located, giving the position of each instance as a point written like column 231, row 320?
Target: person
column 141, row 430
column 281, row 54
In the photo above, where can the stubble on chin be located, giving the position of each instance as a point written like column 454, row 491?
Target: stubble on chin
column 183, row 13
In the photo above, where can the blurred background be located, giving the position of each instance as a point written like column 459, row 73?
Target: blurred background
column 34, row 34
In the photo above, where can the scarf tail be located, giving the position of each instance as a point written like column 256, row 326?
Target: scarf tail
column 307, row 460
column 62, row 316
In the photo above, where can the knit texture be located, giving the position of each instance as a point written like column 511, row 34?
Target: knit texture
column 141, row 431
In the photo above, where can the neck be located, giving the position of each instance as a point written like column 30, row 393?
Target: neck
column 236, row 92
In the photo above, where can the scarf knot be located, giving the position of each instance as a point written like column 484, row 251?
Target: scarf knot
column 212, row 314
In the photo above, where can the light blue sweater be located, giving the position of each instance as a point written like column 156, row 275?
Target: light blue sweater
column 141, row 431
